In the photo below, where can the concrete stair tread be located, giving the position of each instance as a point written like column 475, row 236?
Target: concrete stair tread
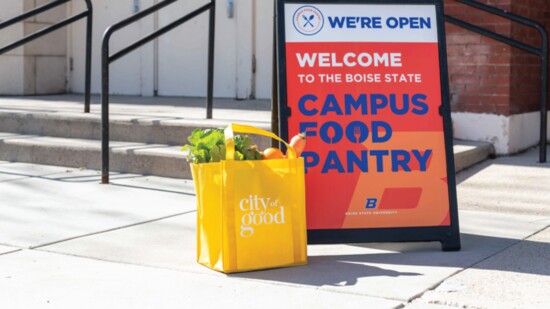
column 114, row 146
column 133, row 119
column 143, row 107
column 157, row 159
column 125, row 157
column 469, row 153
column 146, row 133
column 142, row 128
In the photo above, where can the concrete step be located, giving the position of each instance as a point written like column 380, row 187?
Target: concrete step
column 150, row 130
column 148, row 159
column 146, row 133
column 125, row 157
column 469, row 153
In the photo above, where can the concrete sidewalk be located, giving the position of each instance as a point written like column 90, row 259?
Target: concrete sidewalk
column 68, row 242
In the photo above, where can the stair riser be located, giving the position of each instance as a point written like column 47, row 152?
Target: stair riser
column 136, row 130
column 43, row 125
column 174, row 167
column 465, row 159
column 84, row 128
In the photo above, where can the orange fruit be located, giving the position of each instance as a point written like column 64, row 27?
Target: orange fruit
column 273, row 153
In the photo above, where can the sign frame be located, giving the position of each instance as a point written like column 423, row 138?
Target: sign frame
column 448, row 236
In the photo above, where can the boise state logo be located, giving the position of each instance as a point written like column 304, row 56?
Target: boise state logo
column 308, row 20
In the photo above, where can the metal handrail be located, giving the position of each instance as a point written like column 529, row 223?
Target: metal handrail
column 107, row 59
column 541, row 51
column 88, row 14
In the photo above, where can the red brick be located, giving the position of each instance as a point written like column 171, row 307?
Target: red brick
column 499, row 59
column 467, row 60
column 500, row 79
column 465, row 79
column 456, row 88
column 503, row 69
column 464, row 39
column 456, row 50
column 495, row 99
column 478, row 49
column 494, row 19
column 463, row 69
column 508, row 80
column 502, row 110
column 503, row 90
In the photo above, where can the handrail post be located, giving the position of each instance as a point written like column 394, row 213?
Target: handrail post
column 544, row 97
column 107, row 59
column 210, row 82
column 105, row 107
column 88, row 64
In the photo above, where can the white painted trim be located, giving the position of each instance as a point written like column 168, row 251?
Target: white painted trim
column 508, row 134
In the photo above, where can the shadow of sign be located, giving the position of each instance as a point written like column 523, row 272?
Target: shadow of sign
column 394, row 260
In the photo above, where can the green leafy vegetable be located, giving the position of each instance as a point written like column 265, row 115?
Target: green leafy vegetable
column 208, row 145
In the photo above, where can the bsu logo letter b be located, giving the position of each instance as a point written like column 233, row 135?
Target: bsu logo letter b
column 371, row 203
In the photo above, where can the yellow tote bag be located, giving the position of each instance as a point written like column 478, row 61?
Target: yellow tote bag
column 250, row 214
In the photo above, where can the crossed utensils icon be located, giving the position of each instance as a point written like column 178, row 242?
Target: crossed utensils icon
column 308, row 20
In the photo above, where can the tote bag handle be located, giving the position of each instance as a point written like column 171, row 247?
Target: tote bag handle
column 241, row 128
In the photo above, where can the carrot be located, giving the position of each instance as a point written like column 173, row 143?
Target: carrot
column 298, row 142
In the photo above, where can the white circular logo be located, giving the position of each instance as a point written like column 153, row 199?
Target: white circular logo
column 308, row 20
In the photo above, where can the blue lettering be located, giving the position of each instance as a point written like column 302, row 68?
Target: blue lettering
column 392, row 22
column 403, row 21
column 377, row 102
column 332, row 162
column 336, row 22
column 371, row 203
column 337, row 130
column 370, row 22
column 377, row 128
column 400, row 159
column 426, row 23
column 331, row 105
column 415, row 23
column 409, row 22
column 350, row 22
column 358, row 161
column 393, row 104
column 302, row 105
column 379, row 154
column 365, row 22
column 304, row 126
column 422, row 158
column 311, row 159
column 353, row 22
column 419, row 100
column 357, row 132
column 350, row 103
column 377, row 22
column 353, row 160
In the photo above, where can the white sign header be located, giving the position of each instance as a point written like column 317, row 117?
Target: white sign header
column 360, row 23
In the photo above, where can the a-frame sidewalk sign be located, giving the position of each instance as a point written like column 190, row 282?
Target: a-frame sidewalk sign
column 367, row 81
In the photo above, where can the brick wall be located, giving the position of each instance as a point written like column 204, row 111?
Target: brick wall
column 525, row 67
column 487, row 76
